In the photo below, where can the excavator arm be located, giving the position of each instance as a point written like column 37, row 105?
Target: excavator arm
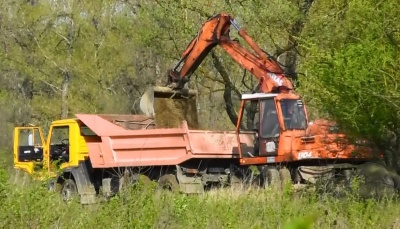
column 215, row 31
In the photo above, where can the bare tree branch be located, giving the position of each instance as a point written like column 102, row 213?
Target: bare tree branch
column 42, row 51
column 63, row 37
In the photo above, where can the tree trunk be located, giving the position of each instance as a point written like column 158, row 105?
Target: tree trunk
column 64, row 95
column 288, row 55
column 229, row 87
column 396, row 153
column 66, row 72
column 249, row 110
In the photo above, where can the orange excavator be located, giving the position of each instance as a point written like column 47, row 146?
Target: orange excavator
column 287, row 145
column 215, row 31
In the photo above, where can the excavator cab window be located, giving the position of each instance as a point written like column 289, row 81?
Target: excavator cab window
column 293, row 114
column 253, row 122
column 250, row 116
column 269, row 119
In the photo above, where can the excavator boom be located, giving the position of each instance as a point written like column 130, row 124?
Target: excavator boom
column 215, row 31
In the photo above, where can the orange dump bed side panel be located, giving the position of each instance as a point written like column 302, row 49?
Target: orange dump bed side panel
column 218, row 142
column 163, row 146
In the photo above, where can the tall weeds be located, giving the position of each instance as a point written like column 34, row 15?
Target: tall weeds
column 142, row 206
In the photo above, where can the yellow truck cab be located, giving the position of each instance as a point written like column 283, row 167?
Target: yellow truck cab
column 62, row 156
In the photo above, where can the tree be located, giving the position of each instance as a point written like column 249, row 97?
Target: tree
column 62, row 58
column 352, row 69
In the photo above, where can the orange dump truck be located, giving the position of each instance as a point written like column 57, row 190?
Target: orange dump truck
column 96, row 154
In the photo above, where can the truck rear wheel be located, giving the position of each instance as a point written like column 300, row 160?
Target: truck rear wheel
column 144, row 180
column 273, row 177
column 134, row 179
column 168, row 182
column 68, row 190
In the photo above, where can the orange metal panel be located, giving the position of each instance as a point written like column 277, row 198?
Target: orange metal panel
column 217, row 143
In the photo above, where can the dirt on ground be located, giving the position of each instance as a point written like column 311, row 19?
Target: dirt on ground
column 169, row 113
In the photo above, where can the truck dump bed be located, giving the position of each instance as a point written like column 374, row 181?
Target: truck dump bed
column 146, row 145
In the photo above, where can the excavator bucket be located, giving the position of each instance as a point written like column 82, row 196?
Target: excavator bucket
column 170, row 107
column 166, row 92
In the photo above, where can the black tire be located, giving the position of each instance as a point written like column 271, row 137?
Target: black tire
column 168, row 182
column 69, row 190
column 132, row 180
column 145, row 180
column 285, row 177
column 263, row 176
column 273, row 177
column 235, row 182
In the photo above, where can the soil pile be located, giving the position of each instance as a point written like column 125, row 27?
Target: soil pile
column 169, row 113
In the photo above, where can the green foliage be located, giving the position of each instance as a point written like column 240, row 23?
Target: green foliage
column 48, row 41
column 352, row 65
column 104, row 53
column 142, row 206
column 301, row 223
column 112, row 49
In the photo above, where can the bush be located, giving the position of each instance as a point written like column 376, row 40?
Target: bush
column 144, row 207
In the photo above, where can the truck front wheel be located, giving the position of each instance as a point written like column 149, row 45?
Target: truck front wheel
column 168, row 182
column 68, row 190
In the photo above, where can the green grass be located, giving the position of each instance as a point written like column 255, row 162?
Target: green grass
column 33, row 206
column 143, row 207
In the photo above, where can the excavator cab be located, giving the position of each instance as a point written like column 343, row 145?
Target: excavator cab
column 270, row 116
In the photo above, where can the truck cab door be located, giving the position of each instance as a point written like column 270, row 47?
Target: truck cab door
column 28, row 148
column 59, row 145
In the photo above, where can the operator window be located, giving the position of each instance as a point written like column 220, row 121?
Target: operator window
column 269, row 123
column 250, row 116
column 293, row 114
column 254, row 115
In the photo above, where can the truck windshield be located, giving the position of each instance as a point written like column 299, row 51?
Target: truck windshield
column 293, row 114
column 269, row 121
